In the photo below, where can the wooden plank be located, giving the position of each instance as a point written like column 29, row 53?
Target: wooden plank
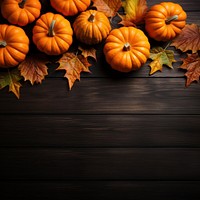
column 98, row 190
column 100, row 163
column 99, row 131
column 105, row 96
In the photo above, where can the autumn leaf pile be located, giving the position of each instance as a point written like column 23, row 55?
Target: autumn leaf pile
column 73, row 62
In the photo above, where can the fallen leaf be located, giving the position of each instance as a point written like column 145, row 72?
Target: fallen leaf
column 11, row 78
column 188, row 39
column 192, row 65
column 34, row 68
column 135, row 11
column 108, row 7
column 88, row 52
column 160, row 57
column 73, row 65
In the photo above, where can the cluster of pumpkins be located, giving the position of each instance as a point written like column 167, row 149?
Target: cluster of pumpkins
column 125, row 48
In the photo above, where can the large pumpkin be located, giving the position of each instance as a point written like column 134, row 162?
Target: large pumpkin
column 70, row 7
column 14, row 45
column 126, row 49
column 52, row 34
column 21, row 12
column 91, row 27
column 165, row 20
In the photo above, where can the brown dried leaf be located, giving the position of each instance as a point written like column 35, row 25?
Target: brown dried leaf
column 135, row 11
column 73, row 65
column 33, row 68
column 88, row 52
column 11, row 78
column 192, row 65
column 108, row 7
column 188, row 39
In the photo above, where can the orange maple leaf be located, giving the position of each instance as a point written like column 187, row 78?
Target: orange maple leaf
column 73, row 65
column 108, row 7
column 88, row 52
column 33, row 68
column 192, row 65
column 135, row 11
column 188, row 39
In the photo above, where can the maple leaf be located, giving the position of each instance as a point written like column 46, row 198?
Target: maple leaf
column 11, row 78
column 135, row 11
column 108, row 7
column 188, row 39
column 160, row 57
column 33, row 68
column 73, row 65
column 192, row 65
column 88, row 52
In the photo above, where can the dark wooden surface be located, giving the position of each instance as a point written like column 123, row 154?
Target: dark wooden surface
column 114, row 136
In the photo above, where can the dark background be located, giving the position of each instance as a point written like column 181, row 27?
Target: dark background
column 114, row 136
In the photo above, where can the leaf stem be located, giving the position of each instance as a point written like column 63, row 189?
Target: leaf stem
column 167, row 45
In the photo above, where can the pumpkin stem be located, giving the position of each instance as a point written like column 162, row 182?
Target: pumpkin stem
column 172, row 18
column 127, row 47
column 21, row 4
column 51, row 32
column 3, row 43
column 91, row 18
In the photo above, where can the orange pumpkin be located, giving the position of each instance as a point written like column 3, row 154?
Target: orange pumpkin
column 52, row 34
column 91, row 27
column 164, row 21
column 126, row 49
column 14, row 45
column 70, row 7
column 21, row 12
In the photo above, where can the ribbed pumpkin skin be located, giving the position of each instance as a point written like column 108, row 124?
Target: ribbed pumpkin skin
column 16, row 48
column 57, row 43
column 155, row 21
column 12, row 11
column 70, row 7
column 91, row 32
column 123, row 58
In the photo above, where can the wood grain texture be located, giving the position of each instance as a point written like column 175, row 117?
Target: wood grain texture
column 110, row 96
column 100, row 163
column 114, row 136
column 98, row 190
column 100, row 131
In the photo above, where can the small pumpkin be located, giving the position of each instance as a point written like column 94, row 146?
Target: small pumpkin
column 91, row 27
column 126, row 49
column 165, row 21
column 52, row 34
column 21, row 12
column 14, row 45
column 70, row 7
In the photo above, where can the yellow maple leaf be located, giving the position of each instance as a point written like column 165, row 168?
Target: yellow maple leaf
column 73, row 65
column 135, row 11
column 160, row 57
